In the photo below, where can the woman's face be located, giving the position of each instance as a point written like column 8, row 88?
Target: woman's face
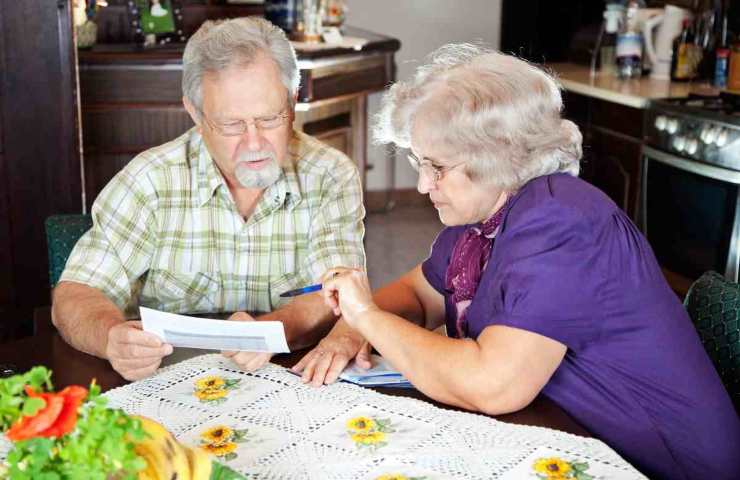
column 456, row 197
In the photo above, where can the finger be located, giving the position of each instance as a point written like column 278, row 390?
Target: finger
column 258, row 361
column 298, row 367
column 241, row 317
column 322, row 366
column 334, row 272
column 363, row 359
column 310, row 366
column 229, row 353
column 250, row 361
column 138, row 373
column 130, row 350
column 135, row 363
column 335, row 368
column 132, row 334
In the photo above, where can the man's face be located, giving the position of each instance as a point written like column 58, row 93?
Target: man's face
column 252, row 99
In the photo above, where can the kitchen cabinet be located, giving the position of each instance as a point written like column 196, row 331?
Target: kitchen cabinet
column 612, row 147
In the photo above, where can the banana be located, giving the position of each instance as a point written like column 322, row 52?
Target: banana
column 166, row 458
column 200, row 463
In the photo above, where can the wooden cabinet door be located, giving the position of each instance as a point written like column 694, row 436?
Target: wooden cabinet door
column 612, row 163
column 40, row 166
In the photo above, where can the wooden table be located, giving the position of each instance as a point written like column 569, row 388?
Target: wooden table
column 71, row 366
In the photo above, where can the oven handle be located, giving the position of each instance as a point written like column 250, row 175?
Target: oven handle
column 692, row 166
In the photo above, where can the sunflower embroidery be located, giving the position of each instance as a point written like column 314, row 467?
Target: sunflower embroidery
column 209, row 382
column 555, row 468
column 368, row 432
column 222, row 440
column 360, row 424
column 214, row 388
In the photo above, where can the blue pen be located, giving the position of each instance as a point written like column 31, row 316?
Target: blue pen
column 301, row 291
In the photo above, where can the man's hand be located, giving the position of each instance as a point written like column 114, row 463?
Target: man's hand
column 325, row 362
column 247, row 361
column 134, row 353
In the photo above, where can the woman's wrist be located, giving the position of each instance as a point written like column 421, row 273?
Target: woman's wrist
column 363, row 317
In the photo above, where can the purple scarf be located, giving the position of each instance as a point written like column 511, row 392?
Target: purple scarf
column 469, row 259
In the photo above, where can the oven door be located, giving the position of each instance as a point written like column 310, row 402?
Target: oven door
column 690, row 214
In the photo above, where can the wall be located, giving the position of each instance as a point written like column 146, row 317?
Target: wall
column 421, row 26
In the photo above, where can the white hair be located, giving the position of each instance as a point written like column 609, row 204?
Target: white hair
column 220, row 44
column 499, row 112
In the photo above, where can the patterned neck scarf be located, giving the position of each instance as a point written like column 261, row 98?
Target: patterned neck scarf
column 469, row 259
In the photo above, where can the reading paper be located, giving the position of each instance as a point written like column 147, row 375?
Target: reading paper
column 192, row 332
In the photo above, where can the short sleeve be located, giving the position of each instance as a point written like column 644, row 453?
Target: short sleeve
column 116, row 252
column 337, row 232
column 434, row 267
column 548, row 275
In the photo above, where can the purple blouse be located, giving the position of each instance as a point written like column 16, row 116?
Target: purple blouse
column 568, row 264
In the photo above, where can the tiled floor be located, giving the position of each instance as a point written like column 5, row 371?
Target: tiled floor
column 398, row 240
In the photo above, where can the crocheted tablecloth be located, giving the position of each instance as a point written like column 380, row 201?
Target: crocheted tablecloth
column 268, row 424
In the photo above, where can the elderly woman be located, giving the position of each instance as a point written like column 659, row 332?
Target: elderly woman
column 543, row 284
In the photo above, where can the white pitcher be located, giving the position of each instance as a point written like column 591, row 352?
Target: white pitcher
column 660, row 51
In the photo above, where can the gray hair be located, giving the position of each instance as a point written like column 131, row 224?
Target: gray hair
column 220, row 44
column 499, row 112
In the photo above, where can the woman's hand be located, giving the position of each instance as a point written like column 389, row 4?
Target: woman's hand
column 347, row 292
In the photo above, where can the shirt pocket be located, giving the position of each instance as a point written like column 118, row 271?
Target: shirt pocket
column 184, row 292
column 282, row 284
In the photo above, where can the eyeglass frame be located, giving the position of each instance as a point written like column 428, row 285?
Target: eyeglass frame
column 282, row 115
column 438, row 172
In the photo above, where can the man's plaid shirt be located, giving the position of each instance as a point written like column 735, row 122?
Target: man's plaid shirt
column 167, row 234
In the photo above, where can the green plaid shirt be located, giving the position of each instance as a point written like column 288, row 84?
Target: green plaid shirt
column 167, row 234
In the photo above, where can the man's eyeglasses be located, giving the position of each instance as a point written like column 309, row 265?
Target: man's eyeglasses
column 436, row 172
column 238, row 127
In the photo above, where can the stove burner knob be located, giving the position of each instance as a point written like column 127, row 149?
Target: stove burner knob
column 660, row 122
column 671, row 126
column 711, row 135
column 679, row 143
column 692, row 146
column 721, row 138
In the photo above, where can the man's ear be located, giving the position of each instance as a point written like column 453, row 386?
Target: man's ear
column 194, row 113
column 292, row 110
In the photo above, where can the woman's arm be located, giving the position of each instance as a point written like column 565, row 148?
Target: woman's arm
column 502, row 371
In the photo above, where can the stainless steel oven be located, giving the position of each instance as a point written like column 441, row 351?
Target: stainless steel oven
column 690, row 187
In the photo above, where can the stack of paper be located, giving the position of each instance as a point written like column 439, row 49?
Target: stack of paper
column 382, row 374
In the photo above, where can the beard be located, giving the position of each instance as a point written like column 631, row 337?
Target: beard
column 252, row 178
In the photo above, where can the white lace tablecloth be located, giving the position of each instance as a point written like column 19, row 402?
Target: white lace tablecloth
column 268, row 424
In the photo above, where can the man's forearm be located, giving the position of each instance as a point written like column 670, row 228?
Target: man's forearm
column 306, row 320
column 399, row 298
column 83, row 315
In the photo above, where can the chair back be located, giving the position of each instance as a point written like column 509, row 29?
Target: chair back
column 62, row 233
column 713, row 303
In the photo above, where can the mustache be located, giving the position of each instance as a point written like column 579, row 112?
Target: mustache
column 254, row 156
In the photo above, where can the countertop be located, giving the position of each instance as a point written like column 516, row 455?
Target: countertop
column 123, row 53
column 636, row 92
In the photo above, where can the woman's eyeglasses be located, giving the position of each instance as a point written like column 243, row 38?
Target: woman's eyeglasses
column 425, row 167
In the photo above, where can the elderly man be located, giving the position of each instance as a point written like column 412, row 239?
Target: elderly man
column 222, row 219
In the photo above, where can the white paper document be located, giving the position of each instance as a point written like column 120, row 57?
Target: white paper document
column 193, row 332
